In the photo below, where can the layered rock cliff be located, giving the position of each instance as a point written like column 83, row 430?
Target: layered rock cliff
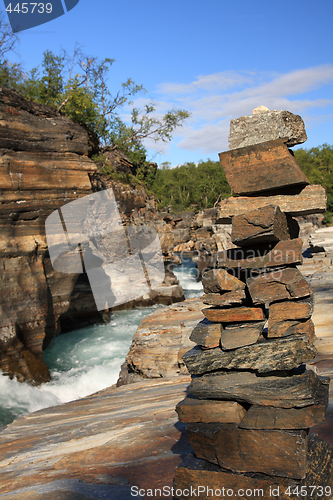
column 44, row 164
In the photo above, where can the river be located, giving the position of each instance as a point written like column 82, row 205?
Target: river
column 86, row 360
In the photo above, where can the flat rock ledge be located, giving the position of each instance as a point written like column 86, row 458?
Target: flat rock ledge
column 97, row 447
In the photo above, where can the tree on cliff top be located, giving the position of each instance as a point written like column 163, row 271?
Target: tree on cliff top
column 76, row 85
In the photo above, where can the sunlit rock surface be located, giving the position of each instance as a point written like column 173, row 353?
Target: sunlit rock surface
column 100, row 446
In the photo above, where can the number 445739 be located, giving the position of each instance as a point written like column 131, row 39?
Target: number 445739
column 30, row 8
column 309, row 491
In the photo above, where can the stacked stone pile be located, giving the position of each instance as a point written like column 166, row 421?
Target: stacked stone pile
column 252, row 400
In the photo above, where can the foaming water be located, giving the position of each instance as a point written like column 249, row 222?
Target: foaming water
column 84, row 361
column 187, row 275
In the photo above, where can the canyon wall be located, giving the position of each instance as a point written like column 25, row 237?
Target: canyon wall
column 44, row 164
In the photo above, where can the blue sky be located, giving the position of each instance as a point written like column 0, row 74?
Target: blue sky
column 217, row 59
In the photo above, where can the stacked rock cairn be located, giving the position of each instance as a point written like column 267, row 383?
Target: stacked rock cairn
column 252, row 398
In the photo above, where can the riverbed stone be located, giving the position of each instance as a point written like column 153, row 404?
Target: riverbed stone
column 268, row 166
column 263, row 225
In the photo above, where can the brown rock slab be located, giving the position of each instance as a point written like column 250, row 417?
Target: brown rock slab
column 207, row 334
column 242, row 450
column 160, row 342
column 224, row 299
column 306, row 201
column 263, row 225
column 126, row 436
column 282, row 254
column 234, row 314
column 218, row 483
column 293, row 328
column 219, row 280
column 262, row 167
column 268, row 417
column 283, row 315
column 285, row 391
column 266, row 126
column 240, row 335
column 198, row 410
column 283, row 284
column 265, row 356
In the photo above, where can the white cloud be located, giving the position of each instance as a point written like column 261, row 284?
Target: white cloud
column 216, row 81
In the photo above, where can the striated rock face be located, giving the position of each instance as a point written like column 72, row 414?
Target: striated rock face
column 160, row 342
column 43, row 164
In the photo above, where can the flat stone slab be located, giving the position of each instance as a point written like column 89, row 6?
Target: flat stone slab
column 198, row 410
column 243, row 450
column 268, row 417
column 263, row 167
column 241, row 334
column 283, row 284
column 303, row 201
column 234, row 314
column 262, row 127
column 266, row 356
column 97, row 447
column 293, row 328
column 263, row 225
column 319, row 478
column 293, row 391
column 225, row 299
